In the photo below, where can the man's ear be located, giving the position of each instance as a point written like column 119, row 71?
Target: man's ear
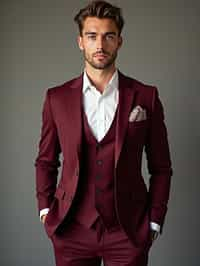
column 80, row 42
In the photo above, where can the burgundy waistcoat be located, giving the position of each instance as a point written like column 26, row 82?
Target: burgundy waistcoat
column 95, row 194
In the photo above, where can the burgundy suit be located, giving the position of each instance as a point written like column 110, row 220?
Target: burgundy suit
column 62, row 132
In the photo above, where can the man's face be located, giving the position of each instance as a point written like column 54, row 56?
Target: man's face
column 99, row 42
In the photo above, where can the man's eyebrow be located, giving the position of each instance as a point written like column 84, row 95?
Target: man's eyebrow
column 90, row 32
column 111, row 33
column 106, row 33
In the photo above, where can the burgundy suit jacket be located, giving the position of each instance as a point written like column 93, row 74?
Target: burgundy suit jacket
column 61, row 132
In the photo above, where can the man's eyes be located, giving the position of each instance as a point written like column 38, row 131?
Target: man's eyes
column 107, row 37
column 110, row 37
column 91, row 37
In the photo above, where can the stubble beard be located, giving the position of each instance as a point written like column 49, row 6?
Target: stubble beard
column 100, row 65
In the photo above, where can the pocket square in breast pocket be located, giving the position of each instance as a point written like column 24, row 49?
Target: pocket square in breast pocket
column 137, row 114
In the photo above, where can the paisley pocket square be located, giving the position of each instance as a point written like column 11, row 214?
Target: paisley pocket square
column 137, row 114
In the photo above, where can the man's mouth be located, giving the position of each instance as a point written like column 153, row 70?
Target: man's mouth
column 100, row 56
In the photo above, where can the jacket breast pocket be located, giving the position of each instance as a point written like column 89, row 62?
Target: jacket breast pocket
column 142, row 123
column 137, row 127
column 136, row 133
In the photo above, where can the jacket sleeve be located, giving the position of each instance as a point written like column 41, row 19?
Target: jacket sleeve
column 47, row 161
column 158, row 162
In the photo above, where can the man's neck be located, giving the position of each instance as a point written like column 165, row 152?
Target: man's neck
column 100, row 77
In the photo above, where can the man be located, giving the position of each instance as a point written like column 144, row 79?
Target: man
column 101, row 121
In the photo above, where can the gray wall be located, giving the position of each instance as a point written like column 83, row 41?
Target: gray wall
column 38, row 50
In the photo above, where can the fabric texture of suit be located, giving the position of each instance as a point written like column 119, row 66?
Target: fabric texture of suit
column 61, row 132
column 95, row 193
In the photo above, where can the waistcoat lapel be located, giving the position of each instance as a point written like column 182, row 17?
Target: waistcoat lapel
column 126, row 98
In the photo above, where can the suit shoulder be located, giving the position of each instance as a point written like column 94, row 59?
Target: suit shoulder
column 142, row 87
column 145, row 93
column 62, row 88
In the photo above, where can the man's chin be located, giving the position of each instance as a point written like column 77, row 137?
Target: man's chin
column 101, row 66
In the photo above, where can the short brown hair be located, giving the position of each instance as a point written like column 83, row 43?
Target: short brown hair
column 100, row 9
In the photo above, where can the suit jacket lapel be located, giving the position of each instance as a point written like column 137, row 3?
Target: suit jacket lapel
column 126, row 97
column 76, row 115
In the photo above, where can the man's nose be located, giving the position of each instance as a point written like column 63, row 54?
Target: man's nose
column 100, row 42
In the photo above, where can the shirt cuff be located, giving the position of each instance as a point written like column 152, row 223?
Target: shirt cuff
column 43, row 212
column 155, row 227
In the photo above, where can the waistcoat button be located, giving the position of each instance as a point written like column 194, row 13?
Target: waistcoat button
column 98, row 190
column 98, row 176
column 98, row 146
column 99, row 162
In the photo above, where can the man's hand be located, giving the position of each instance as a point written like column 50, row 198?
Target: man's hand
column 43, row 218
column 154, row 235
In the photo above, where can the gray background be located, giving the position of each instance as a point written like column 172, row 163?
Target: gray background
column 38, row 50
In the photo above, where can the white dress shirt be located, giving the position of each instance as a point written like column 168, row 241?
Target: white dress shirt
column 100, row 110
column 100, row 107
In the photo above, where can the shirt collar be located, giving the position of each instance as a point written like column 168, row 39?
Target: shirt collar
column 112, row 84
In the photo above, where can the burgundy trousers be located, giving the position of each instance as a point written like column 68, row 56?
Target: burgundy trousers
column 77, row 245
